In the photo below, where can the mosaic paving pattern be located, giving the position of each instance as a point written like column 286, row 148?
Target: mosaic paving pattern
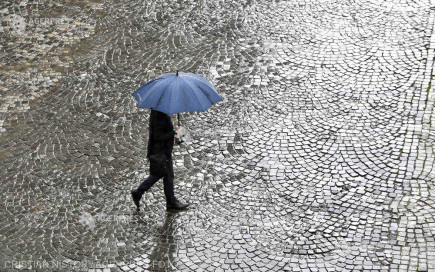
column 319, row 158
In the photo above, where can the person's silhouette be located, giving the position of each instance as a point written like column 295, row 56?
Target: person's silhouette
column 161, row 141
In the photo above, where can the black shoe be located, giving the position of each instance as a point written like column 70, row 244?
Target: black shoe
column 136, row 198
column 176, row 206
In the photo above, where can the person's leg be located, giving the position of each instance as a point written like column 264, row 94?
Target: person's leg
column 146, row 184
column 168, row 182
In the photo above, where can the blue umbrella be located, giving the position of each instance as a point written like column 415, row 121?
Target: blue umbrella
column 177, row 92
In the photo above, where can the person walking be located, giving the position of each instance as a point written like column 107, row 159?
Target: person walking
column 161, row 141
column 170, row 93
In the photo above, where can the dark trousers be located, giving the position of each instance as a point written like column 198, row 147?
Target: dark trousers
column 168, row 183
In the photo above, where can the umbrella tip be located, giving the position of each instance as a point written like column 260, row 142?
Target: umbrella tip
column 177, row 73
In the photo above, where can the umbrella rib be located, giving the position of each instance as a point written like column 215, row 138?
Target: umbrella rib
column 207, row 83
column 202, row 79
column 150, row 89
column 163, row 93
column 184, row 99
column 173, row 94
column 204, row 92
column 193, row 91
column 161, row 96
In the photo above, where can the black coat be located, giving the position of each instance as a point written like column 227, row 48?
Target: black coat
column 161, row 134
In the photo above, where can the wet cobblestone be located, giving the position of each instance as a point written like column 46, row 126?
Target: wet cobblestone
column 319, row 158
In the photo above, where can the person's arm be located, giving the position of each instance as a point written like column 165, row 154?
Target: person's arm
column 164, row 131
column 164, row 136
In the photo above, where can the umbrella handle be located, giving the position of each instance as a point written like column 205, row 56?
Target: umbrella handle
column 178, row 117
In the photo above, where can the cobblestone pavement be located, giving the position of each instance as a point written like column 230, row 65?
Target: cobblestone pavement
column 319, row 158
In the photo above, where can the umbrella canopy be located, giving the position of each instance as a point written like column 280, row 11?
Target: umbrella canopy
column 177, row 92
